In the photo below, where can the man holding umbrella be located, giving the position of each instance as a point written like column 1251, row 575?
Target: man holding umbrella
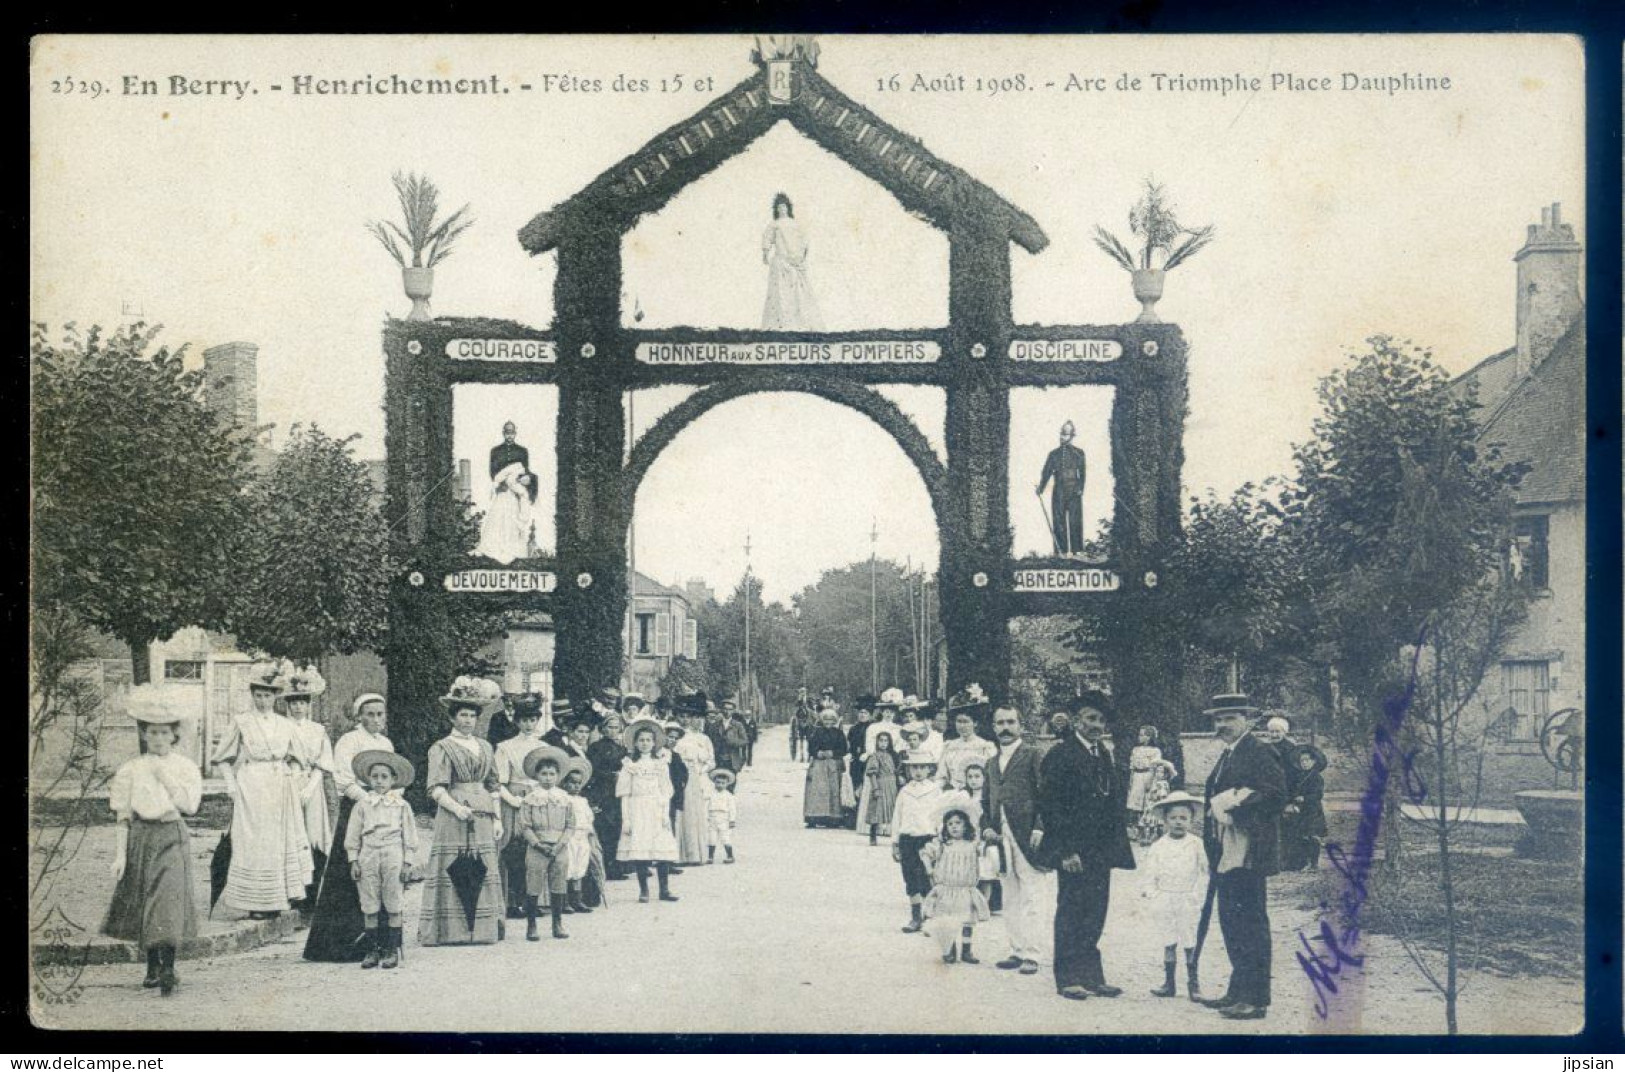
column 1241, row 832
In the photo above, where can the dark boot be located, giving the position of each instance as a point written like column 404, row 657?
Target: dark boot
column 951, row 956
column 392, row 948
column 665, row 885
column 1169, row 970
column 711, row 854
column 155, row 968
column 577, row 905
column 874, row 834
column 643, row 884
column 531, row 934
column 916, row 919
column 1191, row 984
column 167, row 979
column 558, row 919
column 375, row 947
column 729, row 849
column 964, row 951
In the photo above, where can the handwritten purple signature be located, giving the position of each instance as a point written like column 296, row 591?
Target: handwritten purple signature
column 1325, row 955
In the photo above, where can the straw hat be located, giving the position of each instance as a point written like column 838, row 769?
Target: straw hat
column 972, row 698
column 637, row 725
column 581, row 764
column 147, row 706
column 544, row 754
column 364, row 762
column 363, row 700
column 303, row 684
column 1179, row 796
column 1231, row 703
column 265, row 677
column 482, row 695
column 724, row 776
column 921, row 757
column 890, row 698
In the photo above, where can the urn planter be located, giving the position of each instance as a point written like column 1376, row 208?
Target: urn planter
column 419, row 284
column 1147, row 291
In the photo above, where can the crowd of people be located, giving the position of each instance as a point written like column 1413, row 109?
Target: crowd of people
column 982, row 820
column 537, row 808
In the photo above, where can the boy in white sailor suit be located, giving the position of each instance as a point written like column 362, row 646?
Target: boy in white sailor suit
column 721, row 814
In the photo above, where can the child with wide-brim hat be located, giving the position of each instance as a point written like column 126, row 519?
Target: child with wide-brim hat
column 546, row 823
column 644, row 788
column 914, row 826
column 721, row 815
column 579, row 848
column 381, row 841
column 150, row 795
column 1174, row 875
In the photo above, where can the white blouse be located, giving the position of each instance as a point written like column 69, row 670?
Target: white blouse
column 156, row 789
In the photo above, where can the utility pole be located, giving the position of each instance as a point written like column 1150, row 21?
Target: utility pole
column 744, row 684
column 874, row 632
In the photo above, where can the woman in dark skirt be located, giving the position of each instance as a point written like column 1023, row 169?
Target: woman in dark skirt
column 605, row 755
column 336, row 925
column 826, row 747
column 152, row 903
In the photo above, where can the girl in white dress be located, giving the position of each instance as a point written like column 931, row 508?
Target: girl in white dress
column 790, row 305
column 644, row 789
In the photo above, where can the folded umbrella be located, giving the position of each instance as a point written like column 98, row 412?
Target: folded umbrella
column 467, row 874
column 219, row 869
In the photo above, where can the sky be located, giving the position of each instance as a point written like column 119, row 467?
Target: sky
column 1338, row 215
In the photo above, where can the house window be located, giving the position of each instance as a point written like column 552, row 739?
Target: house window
column 663, row 624
column 183, row 670
column 691, row 639
column 646, row 633
column 1527, row 684
column 1527, row 557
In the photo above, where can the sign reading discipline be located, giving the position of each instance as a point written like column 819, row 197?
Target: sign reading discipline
column 837, row 352
column 1065, row 349
column 538, row 350
column 1067, row 580
column 501, row 580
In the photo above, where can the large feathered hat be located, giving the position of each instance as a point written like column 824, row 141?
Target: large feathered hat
column 479, row 693
column 302, row 683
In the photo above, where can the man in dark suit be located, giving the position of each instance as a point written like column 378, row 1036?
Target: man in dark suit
column 1241, row 832
column 1066, row 467
column 1080, row 806
column 1011, row 817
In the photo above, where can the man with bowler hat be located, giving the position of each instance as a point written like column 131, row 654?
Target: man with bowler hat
column 1080, row 809
column 1241, row 832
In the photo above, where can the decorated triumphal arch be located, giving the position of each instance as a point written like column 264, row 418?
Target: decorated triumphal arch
column 594, row 360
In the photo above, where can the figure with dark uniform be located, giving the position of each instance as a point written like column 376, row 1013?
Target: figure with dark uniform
column 1065, row 466
column 508, row 452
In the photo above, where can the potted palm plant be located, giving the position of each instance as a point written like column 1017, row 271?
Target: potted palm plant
column 1164, row 246
column 425, row 239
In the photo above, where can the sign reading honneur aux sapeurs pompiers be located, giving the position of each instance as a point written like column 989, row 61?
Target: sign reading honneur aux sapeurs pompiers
column 594, row 359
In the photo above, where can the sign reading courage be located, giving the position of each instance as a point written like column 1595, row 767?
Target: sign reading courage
column 840, row 352
column 541, row 350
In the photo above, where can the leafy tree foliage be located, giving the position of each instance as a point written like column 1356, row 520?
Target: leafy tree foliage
column 138, row 492
column 314, row 560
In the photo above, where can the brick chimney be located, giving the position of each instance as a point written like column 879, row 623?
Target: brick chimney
column 231, row 383
column 1548, row 287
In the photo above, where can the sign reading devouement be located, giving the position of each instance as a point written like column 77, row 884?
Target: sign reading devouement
column 501, row 580
column 1066, row 580
column 842, row 352
column 1065, row 349
column 540, row 350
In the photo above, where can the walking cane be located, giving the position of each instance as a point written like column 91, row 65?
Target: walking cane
column 1206, row 919
column 1055, row 543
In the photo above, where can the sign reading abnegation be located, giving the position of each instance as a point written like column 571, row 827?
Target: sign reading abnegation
column 1065, row 349
column 544, row 351
column 1067, row 580
column 501, row 580
column 839, row 352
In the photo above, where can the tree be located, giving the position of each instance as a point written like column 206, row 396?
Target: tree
column 777, row 654
column 1398, row 511
column 313, row 566
column 682, row 677
column 834, row 621
column 137, row 489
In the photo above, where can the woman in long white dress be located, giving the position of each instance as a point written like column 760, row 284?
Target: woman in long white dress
column 790, row 304
column 694, row 748
column 270, row 851
column 505, row 529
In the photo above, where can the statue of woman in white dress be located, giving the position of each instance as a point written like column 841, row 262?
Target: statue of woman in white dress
column 505, row 528
column 790, row 305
